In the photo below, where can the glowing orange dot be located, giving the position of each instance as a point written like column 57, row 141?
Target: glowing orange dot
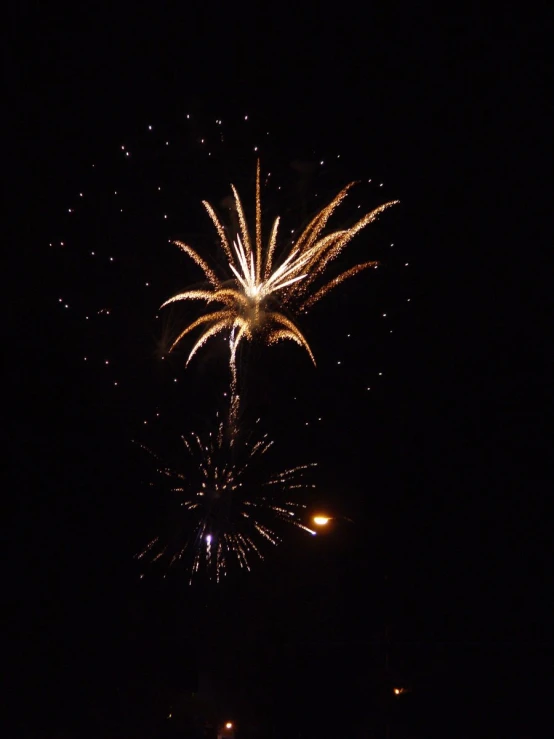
column 321, row 520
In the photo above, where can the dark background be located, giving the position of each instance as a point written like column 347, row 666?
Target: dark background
column 445, row 568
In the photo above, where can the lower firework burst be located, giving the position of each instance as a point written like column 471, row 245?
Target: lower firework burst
column 224, row 508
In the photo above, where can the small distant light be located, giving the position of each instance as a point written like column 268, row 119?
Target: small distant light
column 147, row 284
column 408, row 300
column 407, row 263
column 392, row 244
column 209, row 538
column 149, row 128
column 66, row 306
column 255, row 148
column 384, row 315
column 165, row 216
column 174, row 379
column 380, row 373
column 92, row 253
column 338, row 362
column 107, row 361
column 80, row 194
column 69, row 210
column 228, row 725
column 111, row 259
column 85, row 359
column 322, row 162
column 127, row 154
column 245, row 117
column 380, row 184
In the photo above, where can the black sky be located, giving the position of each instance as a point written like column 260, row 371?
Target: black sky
column 444, row 473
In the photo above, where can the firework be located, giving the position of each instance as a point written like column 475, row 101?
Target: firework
column 225, row 509
column 258, row 296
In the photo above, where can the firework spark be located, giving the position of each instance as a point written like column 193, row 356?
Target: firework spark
column 257, row 296
column 225, row 509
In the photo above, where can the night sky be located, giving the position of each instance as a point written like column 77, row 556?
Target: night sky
column 435, row 573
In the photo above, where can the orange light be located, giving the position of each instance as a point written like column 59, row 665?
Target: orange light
column 228, row 725
column 321, row 520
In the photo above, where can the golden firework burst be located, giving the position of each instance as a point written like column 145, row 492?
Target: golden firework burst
column 257, row 297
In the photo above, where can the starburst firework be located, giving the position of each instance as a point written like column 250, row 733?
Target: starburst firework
column 257, row 297
column 224, row 507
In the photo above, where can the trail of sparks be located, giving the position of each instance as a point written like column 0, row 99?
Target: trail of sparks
column 226, row 508
column 256, row 294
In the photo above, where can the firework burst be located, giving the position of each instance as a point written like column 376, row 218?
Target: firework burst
column 257, row 296
column 224, row 508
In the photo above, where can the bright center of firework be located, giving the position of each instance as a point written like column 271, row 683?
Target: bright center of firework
column 321, row 520
column 209, row 538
